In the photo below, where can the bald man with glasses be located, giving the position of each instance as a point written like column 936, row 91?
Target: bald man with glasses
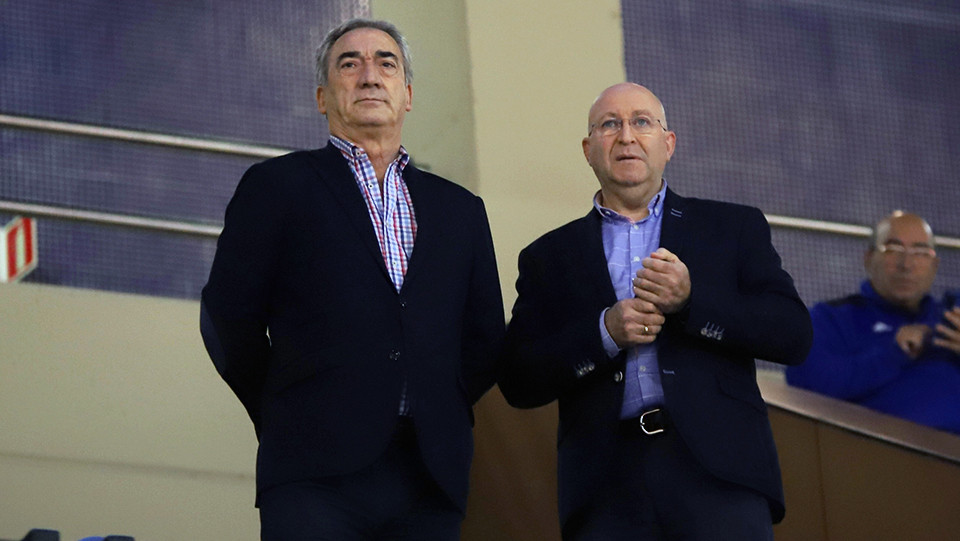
column 643, row 319
column 892, row 347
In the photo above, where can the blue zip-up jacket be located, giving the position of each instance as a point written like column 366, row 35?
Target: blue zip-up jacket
column 855, row 357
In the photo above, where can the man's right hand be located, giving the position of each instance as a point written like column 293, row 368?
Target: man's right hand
column 631, row 322
column 948, row 331
column 912, row 338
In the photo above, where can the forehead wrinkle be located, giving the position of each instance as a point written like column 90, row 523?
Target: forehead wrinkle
column 620, row 93
column 596, row 112
column 895, row 240
column 634, row 113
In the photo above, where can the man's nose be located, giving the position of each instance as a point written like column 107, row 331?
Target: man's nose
column 905, row 262
column 369, row 76
column 626, row 135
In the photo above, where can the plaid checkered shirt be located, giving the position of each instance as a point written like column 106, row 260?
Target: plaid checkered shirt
column 391, row 212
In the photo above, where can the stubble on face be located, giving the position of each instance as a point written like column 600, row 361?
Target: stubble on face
column 366, row 90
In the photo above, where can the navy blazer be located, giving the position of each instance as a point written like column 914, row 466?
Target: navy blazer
column 303, row 322
column 742, row 306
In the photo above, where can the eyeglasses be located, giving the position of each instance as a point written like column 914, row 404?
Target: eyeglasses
column 641, row 125
column 899, row 250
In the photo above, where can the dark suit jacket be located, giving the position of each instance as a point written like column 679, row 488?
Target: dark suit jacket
column 302, row 321
column 742, row 305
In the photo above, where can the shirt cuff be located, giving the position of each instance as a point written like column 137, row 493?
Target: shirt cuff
column 608, row 343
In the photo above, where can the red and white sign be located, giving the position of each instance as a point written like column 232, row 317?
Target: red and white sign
column 18, row 249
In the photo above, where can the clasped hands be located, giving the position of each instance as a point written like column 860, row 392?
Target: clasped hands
column 912, row 339
column 661, row 287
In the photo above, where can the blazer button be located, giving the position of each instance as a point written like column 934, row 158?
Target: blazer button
column 394, row 355
column 618, row 376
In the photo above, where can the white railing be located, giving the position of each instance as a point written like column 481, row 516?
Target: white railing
column 140, row 222
column 134, row 136
column 259, row 151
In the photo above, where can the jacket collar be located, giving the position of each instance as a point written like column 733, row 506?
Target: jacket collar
column 673, row 224
column 589, row 242
column 334, row 172
column 926, row 304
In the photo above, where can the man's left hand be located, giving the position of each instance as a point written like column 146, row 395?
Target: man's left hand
column 664, row 280
column 948, row 336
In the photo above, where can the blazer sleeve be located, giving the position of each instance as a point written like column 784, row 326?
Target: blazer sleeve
column 760, row 315
column 553, row 339
column 235, row 301
column 483, row 322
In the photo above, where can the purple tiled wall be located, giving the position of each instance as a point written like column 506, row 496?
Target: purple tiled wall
column 234, row 71
column 836, row 111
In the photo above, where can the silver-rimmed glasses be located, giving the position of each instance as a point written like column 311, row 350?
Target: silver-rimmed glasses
column 919, row 251
column 640, row 124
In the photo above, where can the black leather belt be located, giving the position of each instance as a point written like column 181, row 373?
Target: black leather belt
column 651, row 422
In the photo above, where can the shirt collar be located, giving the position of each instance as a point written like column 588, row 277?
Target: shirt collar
column 654, row 208
column 352, row 152
column 866, row 289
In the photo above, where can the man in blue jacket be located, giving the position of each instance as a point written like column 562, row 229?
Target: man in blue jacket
column 892, row 347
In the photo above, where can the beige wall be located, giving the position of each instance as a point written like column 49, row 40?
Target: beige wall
column 534, row 69
column 439, row 130
column 112, row 419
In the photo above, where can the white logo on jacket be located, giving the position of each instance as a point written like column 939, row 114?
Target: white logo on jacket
column 880, row 327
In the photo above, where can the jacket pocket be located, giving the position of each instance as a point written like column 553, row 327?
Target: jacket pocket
column 290, row 368
column 744, row 389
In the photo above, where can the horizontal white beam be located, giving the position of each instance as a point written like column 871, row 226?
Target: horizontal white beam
column 168, row 226
column 258, row 151
column 150, row 138
column 842, row 229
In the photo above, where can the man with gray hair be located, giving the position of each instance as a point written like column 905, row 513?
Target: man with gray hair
column 354, row 308
column 892, row 347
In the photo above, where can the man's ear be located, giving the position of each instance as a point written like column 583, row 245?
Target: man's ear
column 586, row 148
column 321, row 101
column 671, row 142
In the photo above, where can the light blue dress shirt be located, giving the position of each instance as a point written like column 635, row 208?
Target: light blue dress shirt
column 626, row 243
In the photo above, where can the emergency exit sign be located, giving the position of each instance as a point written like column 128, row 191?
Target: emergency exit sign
column 18, row 249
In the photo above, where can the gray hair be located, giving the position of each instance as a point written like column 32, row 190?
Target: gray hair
column 323, row 51
column 882, row 228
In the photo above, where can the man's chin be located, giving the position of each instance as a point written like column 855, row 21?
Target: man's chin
column 371, row 119
column 906, row 298
column 632, row 181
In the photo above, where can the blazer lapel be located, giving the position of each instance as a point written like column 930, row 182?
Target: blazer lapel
column 424, row 212
column 671, row 227
column 588, row 247
column 336, row 175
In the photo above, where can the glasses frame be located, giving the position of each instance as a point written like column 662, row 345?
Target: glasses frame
column 899, row 250
column 622, row 122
